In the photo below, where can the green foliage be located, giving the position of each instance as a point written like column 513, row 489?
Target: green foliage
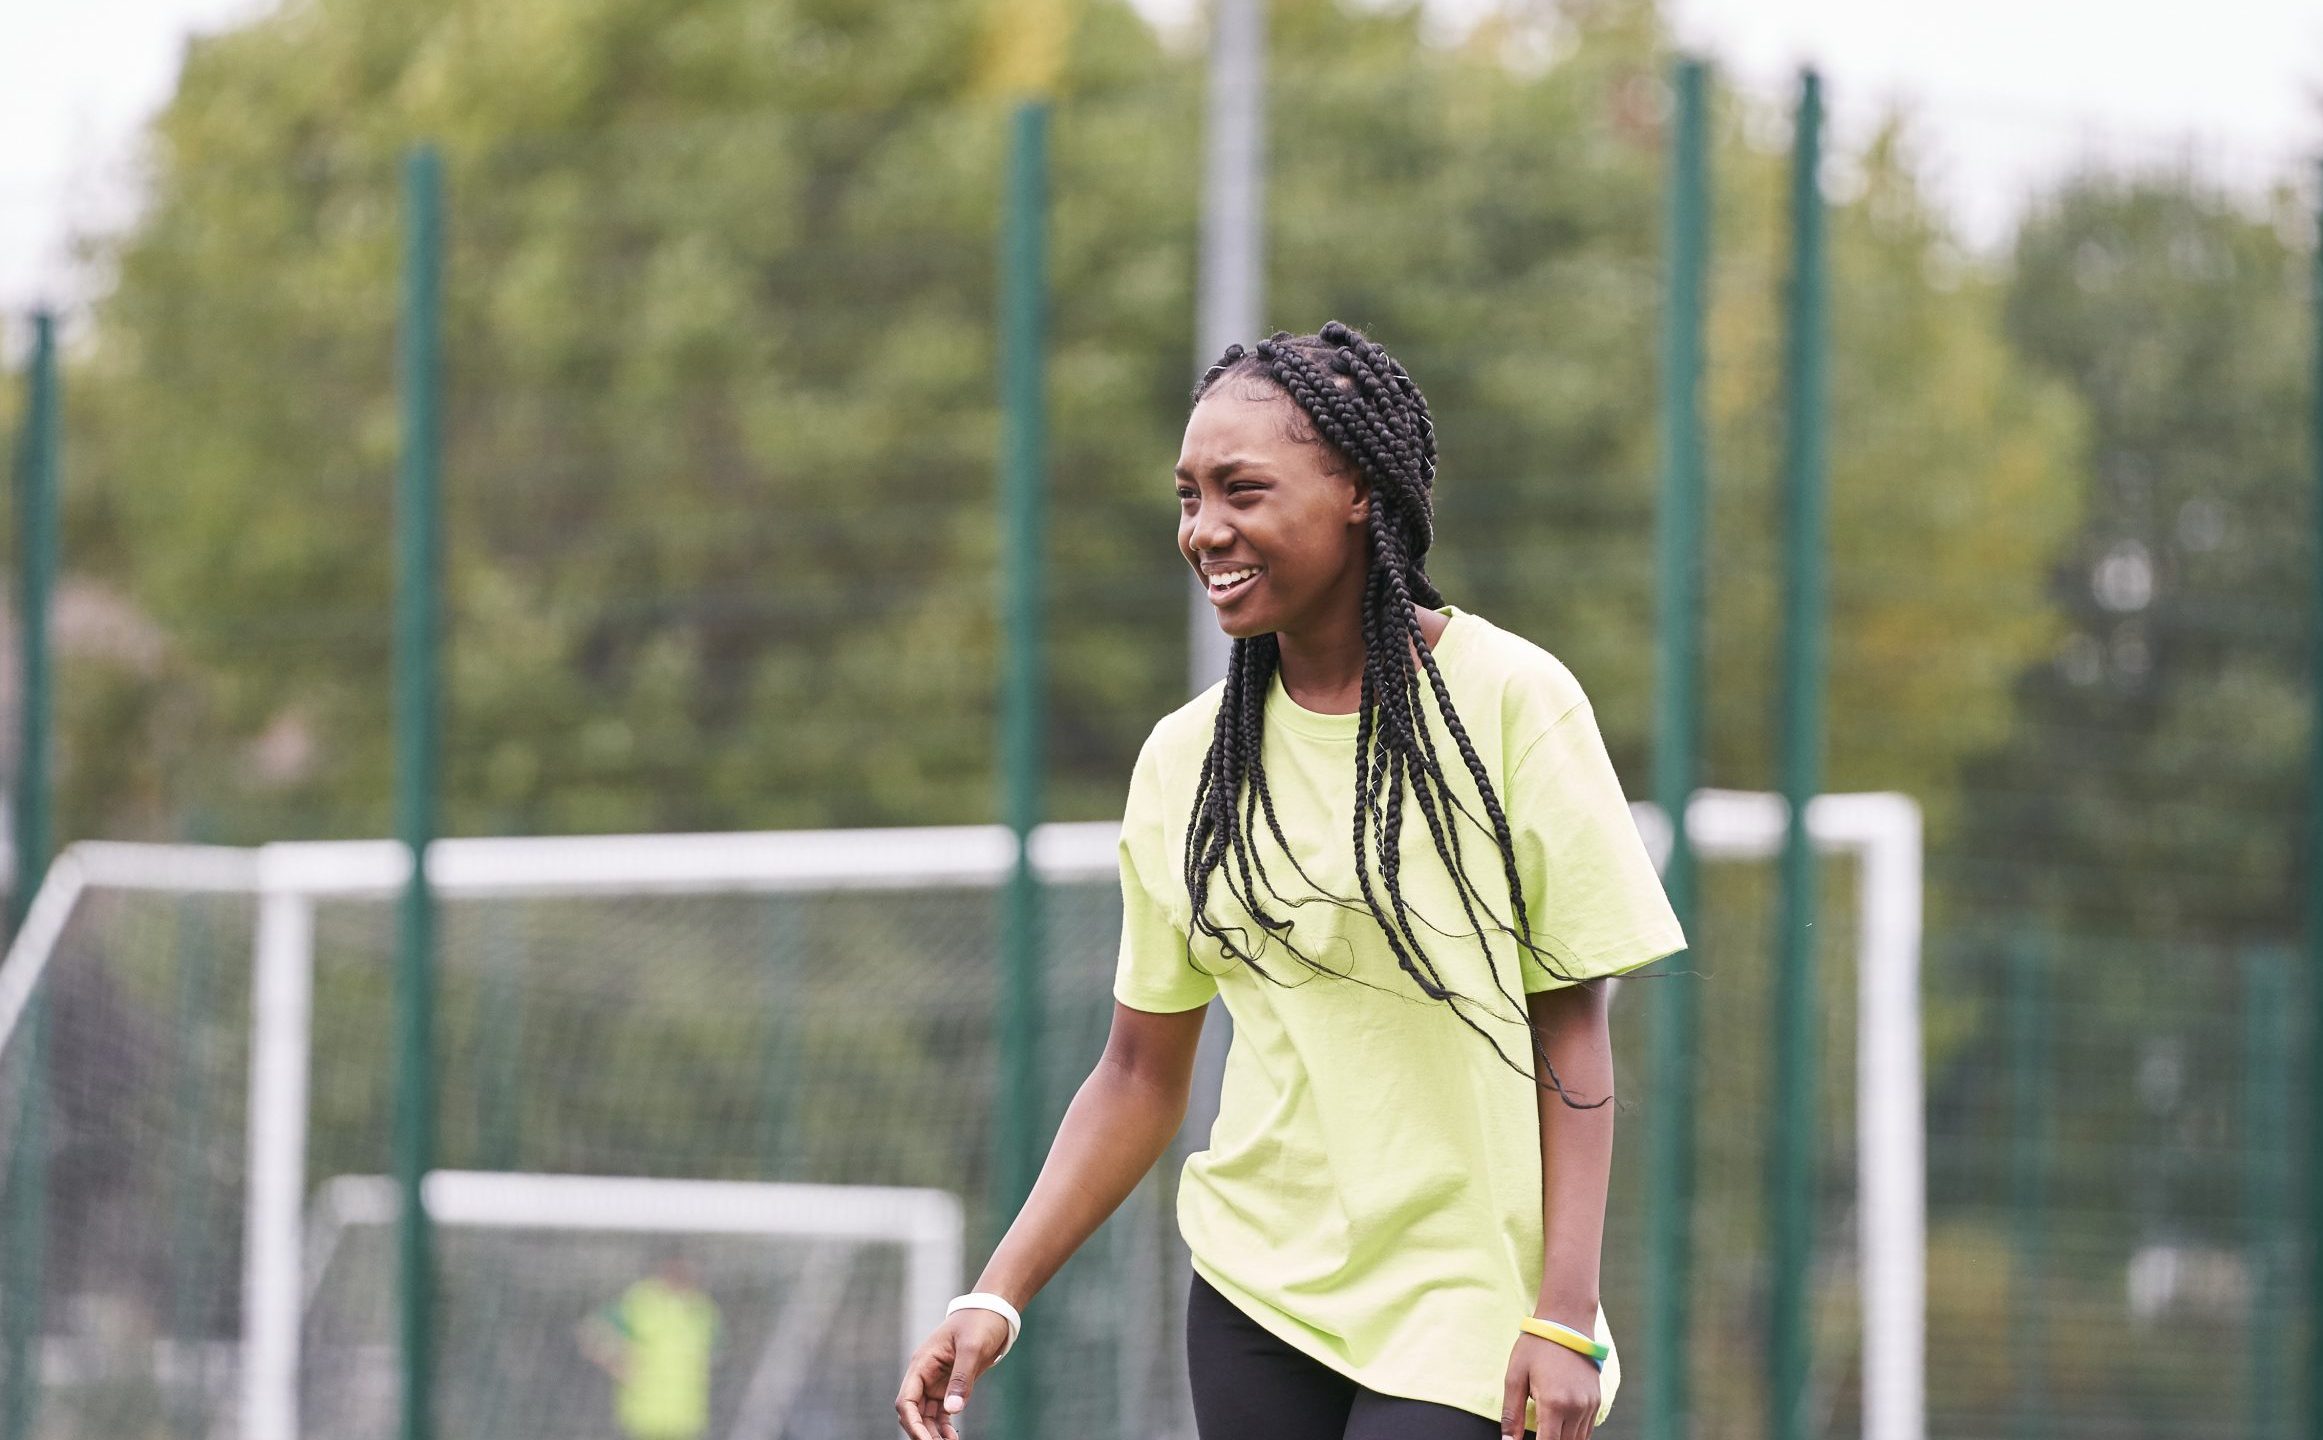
column 2144, row 813
column 2180, row 322
column 720, row 363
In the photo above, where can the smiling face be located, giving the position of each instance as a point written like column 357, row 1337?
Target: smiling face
column 1279, row 517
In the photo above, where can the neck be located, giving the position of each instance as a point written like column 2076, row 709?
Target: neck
column 1322, row 664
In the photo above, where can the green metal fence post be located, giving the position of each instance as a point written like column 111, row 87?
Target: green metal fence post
column 36, row 562
column 2314, row 1226
column 39, row 457
column 2032, row 1063
column 2266, row 1160
column 1024, row 478
column 1677, row 744
column 193, row 1269
column 1799, row 728
column 417, row 718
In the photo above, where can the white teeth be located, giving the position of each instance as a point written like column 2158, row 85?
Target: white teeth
column 1230, row 578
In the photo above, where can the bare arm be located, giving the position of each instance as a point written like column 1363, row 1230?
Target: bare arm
column 1576, row 1149
column 1119, row 1123
column 1576, row 1164
column 603, row 1345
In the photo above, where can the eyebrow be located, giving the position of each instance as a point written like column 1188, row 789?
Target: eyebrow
column 1225, row 467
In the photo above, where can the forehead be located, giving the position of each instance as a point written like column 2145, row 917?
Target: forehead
column 1249, row 425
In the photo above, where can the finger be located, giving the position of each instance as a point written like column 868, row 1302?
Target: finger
column 913, row 1399
column 913, row 1423
column 907, row 1409
column 967, row 1366
column 916, row 1420
column 1513, row 1387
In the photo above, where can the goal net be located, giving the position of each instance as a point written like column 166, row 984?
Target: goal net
column 820, row 1291
column 195, row 1086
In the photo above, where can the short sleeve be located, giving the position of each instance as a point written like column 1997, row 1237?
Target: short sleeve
column 1594, row 899
column 1154, row 971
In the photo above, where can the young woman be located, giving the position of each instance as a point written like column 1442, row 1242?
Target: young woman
column 1396, row 1226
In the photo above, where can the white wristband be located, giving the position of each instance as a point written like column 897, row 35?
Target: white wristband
column 986, row 1300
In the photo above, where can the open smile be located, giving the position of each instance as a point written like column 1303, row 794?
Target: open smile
column 1229, row 585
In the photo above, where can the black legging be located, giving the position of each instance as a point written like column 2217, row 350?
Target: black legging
column 1248, row 1385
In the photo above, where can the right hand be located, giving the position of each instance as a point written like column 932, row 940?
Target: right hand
column 944, row 1369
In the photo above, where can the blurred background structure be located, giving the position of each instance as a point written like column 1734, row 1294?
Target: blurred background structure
column 768, row 340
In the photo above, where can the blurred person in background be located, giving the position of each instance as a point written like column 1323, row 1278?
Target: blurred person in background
column 1396, row 1226
column 657, row 1341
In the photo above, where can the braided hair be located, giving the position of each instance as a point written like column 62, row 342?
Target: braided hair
column 1357, row 400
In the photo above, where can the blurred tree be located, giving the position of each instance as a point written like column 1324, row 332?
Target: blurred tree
column 2143, row 820
column 722, row 425
column 2157, row 771
column 721, row 432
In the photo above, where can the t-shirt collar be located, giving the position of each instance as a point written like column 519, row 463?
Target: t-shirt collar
column 1282, row 709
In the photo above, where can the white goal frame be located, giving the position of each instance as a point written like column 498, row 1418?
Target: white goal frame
column 289, row 879
column 929, row 1224
column 1881, row 830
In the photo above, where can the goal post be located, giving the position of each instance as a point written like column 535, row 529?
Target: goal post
column 1881, row 831
column 295, row 876
column 927, row 1225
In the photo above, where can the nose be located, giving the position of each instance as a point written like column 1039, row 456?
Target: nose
column 1206, row 528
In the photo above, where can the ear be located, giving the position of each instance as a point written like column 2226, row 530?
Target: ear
column 1360, row 512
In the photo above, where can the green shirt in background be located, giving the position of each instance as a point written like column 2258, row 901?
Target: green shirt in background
column 670, row 1334
column 1371, row 1192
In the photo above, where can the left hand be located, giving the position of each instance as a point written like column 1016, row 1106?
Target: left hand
column 1561, row 1383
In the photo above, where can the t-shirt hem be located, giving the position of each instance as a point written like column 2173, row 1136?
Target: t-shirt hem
column 1157, row 1004
column 1619, row 960
column 1266, row 1318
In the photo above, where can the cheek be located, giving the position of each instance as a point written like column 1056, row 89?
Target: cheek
column 1298, row 546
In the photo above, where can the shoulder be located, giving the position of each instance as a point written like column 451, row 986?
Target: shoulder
column 1171, row 756
column 1532, row 687
column 1185, row 730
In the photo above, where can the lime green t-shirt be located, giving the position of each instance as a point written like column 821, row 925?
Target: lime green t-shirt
column 1371, row 1192
column 672, row 1335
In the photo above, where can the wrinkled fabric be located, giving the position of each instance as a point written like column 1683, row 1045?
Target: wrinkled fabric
column 1371, row 1190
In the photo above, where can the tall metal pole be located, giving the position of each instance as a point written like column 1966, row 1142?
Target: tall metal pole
column 418, row 718
column 1677, row 744
column 1791, row 1167
column 36, row 565
column 22, row 1284
column 1232, row 281
column 1230, row 307
column 2032, row 1067
column 2314, row 1297
column 2266, row 1160
column 193, row 1262
column 1023, row 546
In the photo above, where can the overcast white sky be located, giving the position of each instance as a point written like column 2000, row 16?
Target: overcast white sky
column 2011, row 90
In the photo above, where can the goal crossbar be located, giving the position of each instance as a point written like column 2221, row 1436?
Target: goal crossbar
column 928, row 1223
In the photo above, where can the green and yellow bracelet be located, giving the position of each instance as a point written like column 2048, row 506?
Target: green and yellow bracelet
column 1568, row 1337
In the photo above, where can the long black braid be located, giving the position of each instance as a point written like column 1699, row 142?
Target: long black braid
column 1366, row 408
